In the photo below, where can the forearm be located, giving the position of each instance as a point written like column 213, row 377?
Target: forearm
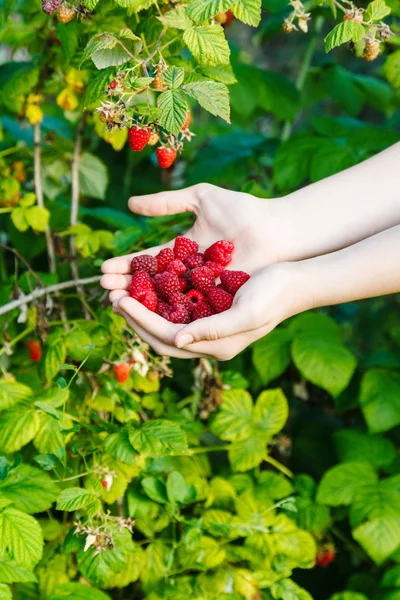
column 341, row 210
column 366, row 269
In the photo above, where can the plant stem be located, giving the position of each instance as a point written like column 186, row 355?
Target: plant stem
column 17, row 339
column 51, row 289
column 279, row 466
column 7, row 209
column 39, row 194
column 9, row 151
column 304, row 69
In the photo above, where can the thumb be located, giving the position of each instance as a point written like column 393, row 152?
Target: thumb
column 166, row 203
column 233, row 321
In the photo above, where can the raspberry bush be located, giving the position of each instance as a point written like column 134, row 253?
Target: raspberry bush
column 123, row 474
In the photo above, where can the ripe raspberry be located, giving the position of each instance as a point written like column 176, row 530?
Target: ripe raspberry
column 146, row 297
column 145, row 262
column 65, row 13
column 49, row 6
column 162, row 307
column 178, row 314
column 196, row 260
column 325, row 556
column 113, row 84
column 164, row 257
column 184, row 247
column 138, row 137
column 182, row 299
column 201, row 310
column 167, row 283
column 165, row 156
column 220, row 300
column 121, row 372
column 216, row 268
column 233, row 280
column 195, row 296
column 220, row 252
column 35, row 350
column 177, row 266
column 141, row 282
column 104, row 483
column 203, row 279
column 183, row 284
column 188, row 120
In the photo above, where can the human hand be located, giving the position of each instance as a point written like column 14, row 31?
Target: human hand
column 269, row 297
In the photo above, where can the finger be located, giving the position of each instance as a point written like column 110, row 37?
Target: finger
column 122, row 264
column 159, row 346
column 116, row 295
column 115, row 282
column 166, row 203
column 150, row 321
column 233, row 321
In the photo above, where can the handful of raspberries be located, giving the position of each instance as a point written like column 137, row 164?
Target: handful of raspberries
column 180, row 285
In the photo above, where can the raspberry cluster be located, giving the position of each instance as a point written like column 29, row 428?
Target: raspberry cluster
column 181, row 284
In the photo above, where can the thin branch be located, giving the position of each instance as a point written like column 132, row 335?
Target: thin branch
column 22, row 259
column 157, row 47
column 51, row 289
column 39, row 194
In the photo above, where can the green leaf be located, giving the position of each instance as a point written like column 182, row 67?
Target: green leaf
column 379, row 538
column 74, row 498
column 159, row 437
column 47, row 461
column 323, row 360
column 271, row 355
column 17, row 428
column 110, row 50
column 376, row 11
column 77, row 591
column 270, row 412
column 173, row 77
column 234, row 419
column 12, row 572
column 340, row 484
column 212, row 96
column 380, row 399
column 155, row 489
column 20, row 537
column 352, row 445
column 248, row 11
column 176, row 487
column 177, row 18
column 221, row 73
column 119, row 446
column 55, row 356
column 374, row 502
column 29, row 489
column 391, row 68
column 18, row 217
column 286, row 589
column 205, row 10
column 248, row 453
column 344, row 32
column 311, row 516
column 93, row 176
column 100, row 568
column 208, row 45
column 5, row 592
column 50, row 437
column 157, row 558
column 12, row 392
column 293, row 160
column 38, row 218
column 97, row 84
column 173, row 108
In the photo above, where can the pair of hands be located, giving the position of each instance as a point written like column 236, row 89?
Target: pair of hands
column 270, row 296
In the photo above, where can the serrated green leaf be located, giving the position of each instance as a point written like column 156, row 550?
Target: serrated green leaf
column 97, row 86
column 221, row 73
column 248, row 11
column 12, row 392
column 270, row 412
column 391, row 69
column 344, row 32
column 177, row 18
column 379, row 538
column 248, row 453
column 352, row 445
column 212, row 96
column 380, row 399
column 29, row 489
column 38, row 218
column 173, row 77
column 77, row 591
column 155, row 489
column 17, row 428
column 93, row 176
column 271, row 354
column 55, row 357
column 159, row 437
column 173, row 108
column 376, row 11
column 119, row 446
column 50, row 437
column 289, row 590
column 20, row 537
column 234, row 419
column 12, row 572
column 176, row 487
column 74, row 498
column 208, row 45
column 204, row 10
column 340, row 484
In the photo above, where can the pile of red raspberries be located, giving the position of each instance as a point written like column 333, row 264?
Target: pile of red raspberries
column 180, row 284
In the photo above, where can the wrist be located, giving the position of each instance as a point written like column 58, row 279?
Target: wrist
column 298, row 288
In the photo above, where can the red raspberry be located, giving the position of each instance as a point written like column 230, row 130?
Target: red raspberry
column 220, row 252
column 177, row 266
column 146, row 297
column 104, row 483
column 162, row 307
column 164, row 257
column 113, row 84
column 121, row 372
column 167, row 283
column 183, row 284
column 325, row 556
column 188, row 120
column 141, row 282
column 145, row 262
column 35, row 350
column 201, row 310
column 178, row 314
column 182, row 299
column 49, row 6
column 184, row 247
column 216, row 268
column 138, row 137
column 203, row 279
column 233, row 280
column 165, row 156
column 220, row 300
column 195, row 296
column 196, row 260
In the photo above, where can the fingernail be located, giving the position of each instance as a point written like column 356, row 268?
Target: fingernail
column 184, row 340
